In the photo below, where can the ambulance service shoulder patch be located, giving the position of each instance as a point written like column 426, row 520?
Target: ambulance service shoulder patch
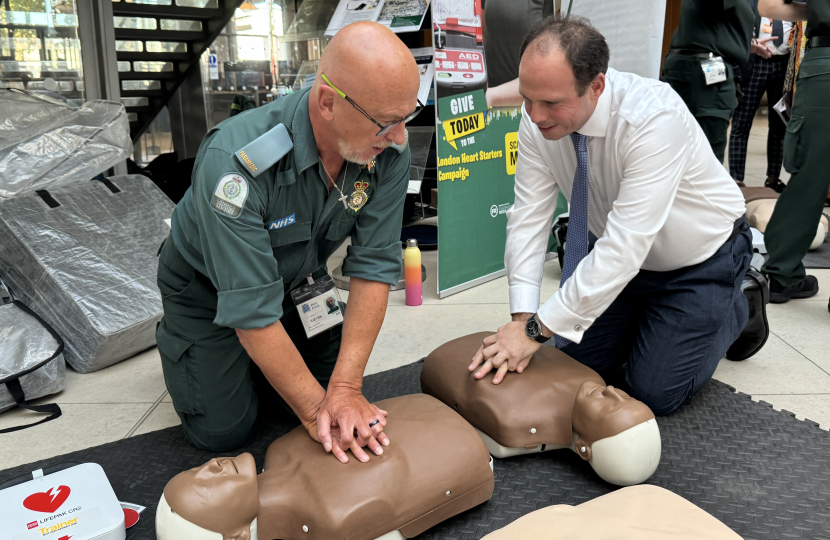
column 230, row 195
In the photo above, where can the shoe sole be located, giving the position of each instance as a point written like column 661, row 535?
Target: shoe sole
column 764, row 301
column 781, row 298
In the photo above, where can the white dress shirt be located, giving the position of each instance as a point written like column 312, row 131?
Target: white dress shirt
column 765, row 31
column 659, row 200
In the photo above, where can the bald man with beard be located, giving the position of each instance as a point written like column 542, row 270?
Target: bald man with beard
column 275, row 192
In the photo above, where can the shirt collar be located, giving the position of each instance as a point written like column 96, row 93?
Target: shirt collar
column 305, row 147
column 597, row 125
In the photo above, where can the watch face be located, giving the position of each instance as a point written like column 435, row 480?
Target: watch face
column 532, row 329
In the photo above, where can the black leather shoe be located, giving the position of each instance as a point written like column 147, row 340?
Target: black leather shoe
column 755, row 333
column 775, row 183
column 778, row 294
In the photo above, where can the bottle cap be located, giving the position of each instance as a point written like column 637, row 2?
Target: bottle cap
column 411, row 243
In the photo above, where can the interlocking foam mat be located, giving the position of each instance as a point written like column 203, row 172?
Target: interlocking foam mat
column 760, row 471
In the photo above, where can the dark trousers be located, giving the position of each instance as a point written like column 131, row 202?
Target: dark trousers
column 766, row 76
column 711, row 105
column 806, row 157
column 212, row 381
column 672, row 328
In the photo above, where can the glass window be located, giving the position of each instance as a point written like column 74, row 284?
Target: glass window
column 212, row 4
column 166, row 46
column 123, row 67
column 39, row 48
column 135, row 101
column 152, row 67
column 129, row 46
column 137, row 23
column 181, row 25
column 140, row 85
column 151, row 2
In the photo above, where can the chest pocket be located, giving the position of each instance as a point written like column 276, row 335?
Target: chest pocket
column 298, row 232
column 339, row 229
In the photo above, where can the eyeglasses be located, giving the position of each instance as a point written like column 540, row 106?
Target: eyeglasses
column 383, row 129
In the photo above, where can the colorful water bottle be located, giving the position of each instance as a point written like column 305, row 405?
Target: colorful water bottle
column 412, row 273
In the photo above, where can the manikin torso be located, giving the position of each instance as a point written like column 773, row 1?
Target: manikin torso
column 435, row 467
column 555, row 403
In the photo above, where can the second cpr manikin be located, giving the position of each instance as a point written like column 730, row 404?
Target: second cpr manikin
column 555, row 403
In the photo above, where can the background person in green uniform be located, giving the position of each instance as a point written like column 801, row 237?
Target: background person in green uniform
column 806, row 151
column 724, row 29
column 255, row 224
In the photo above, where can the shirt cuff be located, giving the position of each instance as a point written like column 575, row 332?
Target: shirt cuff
column 562, row 321
column 374, row 264
column 254, row 307
column 524, row 298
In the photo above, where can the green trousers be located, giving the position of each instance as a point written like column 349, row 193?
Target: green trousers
column 711, row 105
column 211, row 379
column 807, row 158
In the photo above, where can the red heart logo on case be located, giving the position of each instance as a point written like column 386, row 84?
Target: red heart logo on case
column 47, row 502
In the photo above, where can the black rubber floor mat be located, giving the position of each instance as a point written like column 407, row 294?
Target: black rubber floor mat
column 760, row 471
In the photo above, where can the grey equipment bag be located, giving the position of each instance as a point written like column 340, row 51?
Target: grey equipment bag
column 31, row 362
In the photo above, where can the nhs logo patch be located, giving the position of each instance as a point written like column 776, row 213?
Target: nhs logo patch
column 284, row 222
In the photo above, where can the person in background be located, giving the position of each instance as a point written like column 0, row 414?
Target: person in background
column 716, row 34
column 765, row 72
column 506, row 23
column 806, row 156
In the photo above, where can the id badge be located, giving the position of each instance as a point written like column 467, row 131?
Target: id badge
column 318, row 304
column 714, row 69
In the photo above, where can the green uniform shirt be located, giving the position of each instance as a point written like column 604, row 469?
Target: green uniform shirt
column 818, row 18
column 506, row 23
column 723, row 27
column 290, row 223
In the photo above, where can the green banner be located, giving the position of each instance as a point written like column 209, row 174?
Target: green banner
column 477, row 153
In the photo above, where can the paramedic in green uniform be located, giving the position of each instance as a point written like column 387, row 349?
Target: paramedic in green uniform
column 722, row 28
column 806, row 150
column 275, row 192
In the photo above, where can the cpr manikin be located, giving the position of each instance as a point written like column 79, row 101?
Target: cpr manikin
column 435, row 468
column 555, row 403
column 760, row 203
column 632, row 513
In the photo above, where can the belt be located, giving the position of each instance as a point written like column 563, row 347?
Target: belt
column 690, row 52
column 777, row 58
column 818, row 41
column 737, row 227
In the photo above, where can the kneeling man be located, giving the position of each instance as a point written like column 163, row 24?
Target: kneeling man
column 658, row 296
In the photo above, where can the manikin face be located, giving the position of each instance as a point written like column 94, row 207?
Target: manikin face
column 604, row 411
column 551, row 100
column 220, row 496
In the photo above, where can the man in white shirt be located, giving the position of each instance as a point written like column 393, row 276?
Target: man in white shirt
column 661, row 288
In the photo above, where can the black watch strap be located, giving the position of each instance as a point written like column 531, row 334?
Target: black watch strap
column 539, row 338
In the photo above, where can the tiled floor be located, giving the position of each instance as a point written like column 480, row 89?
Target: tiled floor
column 791, row 372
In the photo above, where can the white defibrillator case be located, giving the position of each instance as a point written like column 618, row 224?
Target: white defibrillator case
column 76, row 502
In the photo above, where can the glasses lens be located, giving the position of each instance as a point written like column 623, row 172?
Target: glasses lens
column 386, row 129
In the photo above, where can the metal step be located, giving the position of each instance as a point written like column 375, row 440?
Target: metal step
column 123, row 9
column 159, row 35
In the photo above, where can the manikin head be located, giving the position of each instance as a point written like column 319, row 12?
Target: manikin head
column 217, row 501
column 562, row 74
column 616, row 434
column 374, row 69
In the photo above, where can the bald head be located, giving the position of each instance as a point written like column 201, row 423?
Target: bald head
column 367, row 60
column 368, row 63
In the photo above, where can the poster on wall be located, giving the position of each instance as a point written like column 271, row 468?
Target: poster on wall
column 477, row 147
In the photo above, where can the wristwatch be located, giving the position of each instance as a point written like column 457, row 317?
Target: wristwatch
column 533, row 330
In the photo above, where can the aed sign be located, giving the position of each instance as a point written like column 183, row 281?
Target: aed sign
column 76, row 503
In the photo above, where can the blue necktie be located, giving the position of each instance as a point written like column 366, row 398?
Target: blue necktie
column 576, row 240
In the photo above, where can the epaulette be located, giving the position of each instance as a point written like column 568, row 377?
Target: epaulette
column 265, row 150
